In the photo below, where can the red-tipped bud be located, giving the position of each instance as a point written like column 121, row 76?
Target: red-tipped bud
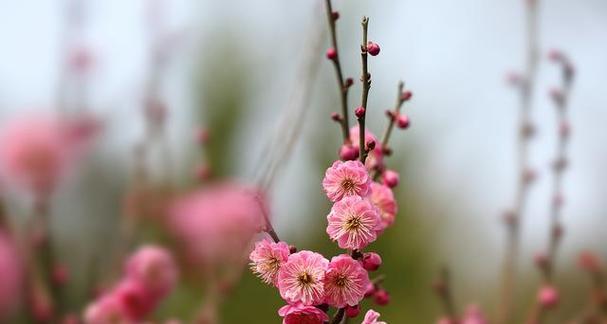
column 348, row 152
column 402, row 121
column 202, row 136
column 589, row 262
column 370, row 145
column 390, row 178
column 406, row 95
column 381, row 297
column 336, row 117
column 335, row 15
column 331, row 54
column 349, row 82
column 352, row 311
column 514, row 78
column 292, row 249
column 548, row 297
column 373, row 48
column 359, row 112
column 371, row 261
column 555, row 55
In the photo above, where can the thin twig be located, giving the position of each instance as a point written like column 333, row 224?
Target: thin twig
column 510, row 268
column 366, row 83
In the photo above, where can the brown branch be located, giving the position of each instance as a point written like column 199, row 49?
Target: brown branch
column 366, row 83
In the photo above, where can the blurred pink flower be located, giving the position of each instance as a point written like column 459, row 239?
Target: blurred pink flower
column 349, row 178
column 301, row 278
column 36, row 151
column 353, row 223
column 153, row 267
column 108, row 309
column 267, row 258
column 376, row 157
column 11, row 278
column 382, row 197
column 301, row 314
column 345, row 282
column 372, row 318
column 217, row 224
column 135, row 298
column 474, row 315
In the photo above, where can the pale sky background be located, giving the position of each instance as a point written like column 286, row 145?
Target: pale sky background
column 453, row 55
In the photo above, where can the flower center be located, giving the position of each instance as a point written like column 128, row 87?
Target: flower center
column 348, row 185
column 353, row 223
column 341, row 280
column 305, row 279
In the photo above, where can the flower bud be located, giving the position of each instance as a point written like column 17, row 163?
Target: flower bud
column 373, row 48
column 336, row 117
column 348, row 152
column 370, row 145
column 390, row 178
column 349, row 82
column 371, row 261
column 331, row 54
column 352, row 311
column 548, row 297
column 402, row 121
column 335, row 15
column 359, row 112
column 406, row 95
column 381, row 297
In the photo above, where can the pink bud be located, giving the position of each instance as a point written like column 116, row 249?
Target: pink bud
column 352, row 311
column 371, row 261
column 349, row 82
column 335, row 15
column 406, row 95
column 331, row 54
column 370, row 145
column 402, row 121
column 335, row 116
column 390, row 178
column 370, row 289
column 548, row 297
column 373, row 48
column 381, row 297
column 348, row 152
column 359, row 112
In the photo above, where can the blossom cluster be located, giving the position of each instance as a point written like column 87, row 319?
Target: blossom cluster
column 150, row 275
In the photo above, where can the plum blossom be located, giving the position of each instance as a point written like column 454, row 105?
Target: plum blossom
column 301, row 278
column 345, row 282
column 154, row 267
column 267, row 258
column 302, row 314
column 343, row 179
column 382, row 197
column 353, row 223
column 372, row 318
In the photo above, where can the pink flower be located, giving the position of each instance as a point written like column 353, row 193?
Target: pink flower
column 37, row 151
column 153, row 267
column 106, row 310
column 267, row 258
column 11, row 277
column 301, row 314
column 473, row 315
column 353, row 223
column 345, row 282
column 548, row 296
column 376, row 157
column 216, row 224
column 135, row 299
column 382, row 197
column 301, row 278
column 349, row 178
column 372, row 318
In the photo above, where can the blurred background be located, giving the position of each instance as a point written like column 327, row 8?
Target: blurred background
column 245, row 70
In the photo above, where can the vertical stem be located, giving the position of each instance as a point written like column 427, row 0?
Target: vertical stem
column 343, row 88
column 510, row 271
column 366, row 82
